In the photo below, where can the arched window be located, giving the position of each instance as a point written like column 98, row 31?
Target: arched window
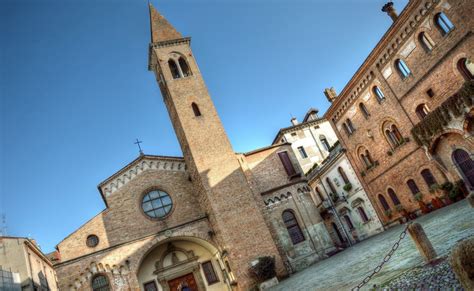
column 362, row 214
column 422, row 111
column 413, row 187
column 324, row 142
column 174, row 69
column 383, row 202
column 378, row 94
column 292, row 226
column 443, row 23
column 428, row 177
column 426, row 41
column 184, row 67
column 402, row 68
column 391, row 138
column 100, row 283
column 396, row 133
column 348, row 222
column 331, row 186
column 392, row 134
column 320, row 196
column 196, row 110
column 350, row 126
column 393, row 196
column 466, row 67
column 343, row 175
column 465, row 165
column 366, row 159
column 364, row 110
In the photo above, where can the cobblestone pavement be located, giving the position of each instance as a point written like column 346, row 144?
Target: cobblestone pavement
column 428, row 277
column 346, row 269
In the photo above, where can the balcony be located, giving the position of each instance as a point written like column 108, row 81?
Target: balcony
column 438, row 120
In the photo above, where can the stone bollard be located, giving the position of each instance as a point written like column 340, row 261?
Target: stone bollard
column 470, row 199
column 422, row 242
column 462, row 262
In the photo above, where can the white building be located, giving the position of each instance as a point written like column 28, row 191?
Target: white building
column 342, row 201
column 24, row 267
column 310, row 140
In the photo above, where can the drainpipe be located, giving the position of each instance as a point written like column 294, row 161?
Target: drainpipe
column 316, row 142
column 333, row 208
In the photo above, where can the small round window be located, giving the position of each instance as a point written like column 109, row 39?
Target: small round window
column 157, row 204
column 92, row 241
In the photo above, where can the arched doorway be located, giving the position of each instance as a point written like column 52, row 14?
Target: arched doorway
column 465, row 165
column 338, row 233
column 180, row 262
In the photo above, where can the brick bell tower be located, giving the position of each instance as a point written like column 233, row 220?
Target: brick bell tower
column 224, row 191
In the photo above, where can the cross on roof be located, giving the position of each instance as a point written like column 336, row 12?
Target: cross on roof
column 138, row 142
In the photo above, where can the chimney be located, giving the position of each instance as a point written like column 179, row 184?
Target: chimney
column 294, row 121
column 390, row 10
column 330, row 94
column 316, row 111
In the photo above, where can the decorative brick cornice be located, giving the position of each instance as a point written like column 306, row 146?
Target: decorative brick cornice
column 171, row 42
column 141, row 164
column 396, row 36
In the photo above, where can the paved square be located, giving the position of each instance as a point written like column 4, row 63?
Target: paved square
column 346, row 269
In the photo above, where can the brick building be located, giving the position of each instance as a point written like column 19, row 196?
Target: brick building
column 201, row 219
column 406, row 115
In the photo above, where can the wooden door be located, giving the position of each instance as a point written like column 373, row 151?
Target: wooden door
column 465, row 165
column 188, row 280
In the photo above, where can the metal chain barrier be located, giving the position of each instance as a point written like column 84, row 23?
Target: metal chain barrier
column 385, row 259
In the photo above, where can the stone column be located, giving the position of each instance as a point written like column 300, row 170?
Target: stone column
column 462, row 262
column 470, row 199
column 422, row 242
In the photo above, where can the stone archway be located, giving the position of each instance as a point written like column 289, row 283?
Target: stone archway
column 189, row 260
column 442, row 150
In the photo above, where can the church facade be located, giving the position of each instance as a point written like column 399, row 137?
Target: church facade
column 199, row 220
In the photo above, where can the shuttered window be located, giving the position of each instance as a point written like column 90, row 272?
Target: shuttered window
column 292, row 226
column 285, row 160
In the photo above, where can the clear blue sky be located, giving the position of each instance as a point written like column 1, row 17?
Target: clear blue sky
column 75, row 90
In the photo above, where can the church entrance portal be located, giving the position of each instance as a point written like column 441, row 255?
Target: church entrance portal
column 183, row 261
column 180, row 284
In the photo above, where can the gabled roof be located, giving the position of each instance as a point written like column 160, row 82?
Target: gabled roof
column 135, row 167
column 265, row 148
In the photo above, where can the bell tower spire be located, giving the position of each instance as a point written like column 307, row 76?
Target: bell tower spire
column 233, row 208
column 160, row 28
